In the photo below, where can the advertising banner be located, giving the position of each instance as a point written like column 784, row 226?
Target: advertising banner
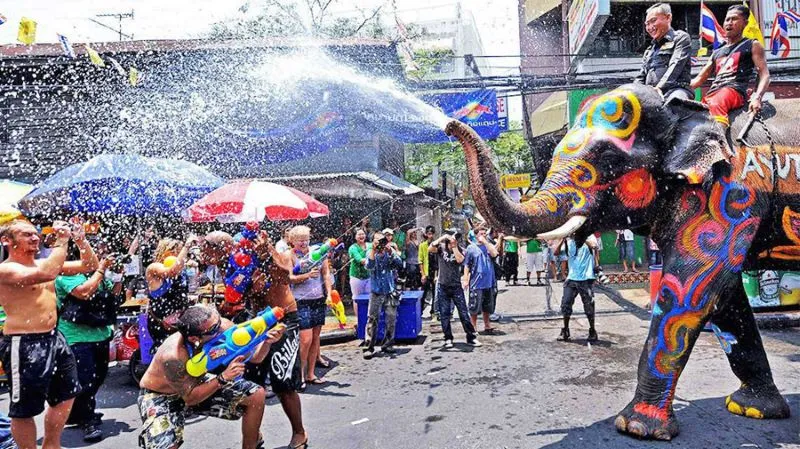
column 770, row 288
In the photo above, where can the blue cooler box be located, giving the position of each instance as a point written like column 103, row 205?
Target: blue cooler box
column 409, row 320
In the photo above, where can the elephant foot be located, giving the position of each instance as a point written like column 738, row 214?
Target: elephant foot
column 647, row 421
column 761, row 403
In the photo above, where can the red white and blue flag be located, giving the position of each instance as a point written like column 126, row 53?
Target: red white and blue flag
column 710, row 31
column 780, row 36
column 792, row 16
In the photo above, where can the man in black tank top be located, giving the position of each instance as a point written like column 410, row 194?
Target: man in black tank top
column 733, row 65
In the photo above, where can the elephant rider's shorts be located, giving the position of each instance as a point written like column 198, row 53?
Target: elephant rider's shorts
column 40, row 367
column 574, row 288
column 164, row 415
column 721, row 101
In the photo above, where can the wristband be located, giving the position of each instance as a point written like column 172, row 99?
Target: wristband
column 221, row 380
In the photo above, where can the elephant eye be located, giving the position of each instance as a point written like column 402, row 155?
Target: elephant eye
column 611, row 162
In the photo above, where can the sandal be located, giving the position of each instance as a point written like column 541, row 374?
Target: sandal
column 315, row 381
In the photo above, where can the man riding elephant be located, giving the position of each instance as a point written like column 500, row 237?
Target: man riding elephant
column 662, row 170
column 734, row 64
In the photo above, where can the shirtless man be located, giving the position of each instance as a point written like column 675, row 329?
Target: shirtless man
column 167, row 390
column 40, row 364
column 282, row 364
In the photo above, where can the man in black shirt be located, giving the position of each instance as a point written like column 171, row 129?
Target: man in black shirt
column 449, row 287
column 667, row 61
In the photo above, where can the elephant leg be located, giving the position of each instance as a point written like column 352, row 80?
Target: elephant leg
column 703, row 257
column 674, row 327
column 736, row 328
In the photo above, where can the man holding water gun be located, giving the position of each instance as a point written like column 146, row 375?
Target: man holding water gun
column 168, row 390
column 282, row 363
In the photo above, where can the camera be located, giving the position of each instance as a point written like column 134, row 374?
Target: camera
column 381, row 244
column 120, row 259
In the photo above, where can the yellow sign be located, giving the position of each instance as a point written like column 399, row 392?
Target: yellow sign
column 519, row 181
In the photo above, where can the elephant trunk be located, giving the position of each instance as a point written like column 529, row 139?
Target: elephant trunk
column 536, row 216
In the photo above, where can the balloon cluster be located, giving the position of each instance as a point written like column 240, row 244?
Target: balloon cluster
column 242, row 265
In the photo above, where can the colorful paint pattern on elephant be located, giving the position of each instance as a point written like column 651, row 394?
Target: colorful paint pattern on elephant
column 790, row 222
column 613, row 117
column 715, row 240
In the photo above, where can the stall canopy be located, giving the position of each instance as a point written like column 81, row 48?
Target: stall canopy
column 375, row 185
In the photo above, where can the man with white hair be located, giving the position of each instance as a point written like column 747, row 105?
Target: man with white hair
column 667, row 61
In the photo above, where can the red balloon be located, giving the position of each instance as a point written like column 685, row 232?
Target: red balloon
column 242, row 259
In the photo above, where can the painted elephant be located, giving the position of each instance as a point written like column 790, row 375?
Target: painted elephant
column 666, row 171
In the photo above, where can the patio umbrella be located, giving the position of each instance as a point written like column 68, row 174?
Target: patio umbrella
column 10, row 193
column 250, row 200
column 125, row 184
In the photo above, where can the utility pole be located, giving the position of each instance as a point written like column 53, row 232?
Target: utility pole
column 119, row 17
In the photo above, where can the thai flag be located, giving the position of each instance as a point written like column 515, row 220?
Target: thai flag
column 780, row 35
column 792, row 16
column 710, row 31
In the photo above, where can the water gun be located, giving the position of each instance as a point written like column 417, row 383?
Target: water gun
column 236, row 341
column 337, row 307
column 242, row 264
column 316, row 255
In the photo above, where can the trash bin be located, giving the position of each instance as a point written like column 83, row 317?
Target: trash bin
column 655, row 281
column 409, row 319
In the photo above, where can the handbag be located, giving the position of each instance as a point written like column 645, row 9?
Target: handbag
column 97, row 311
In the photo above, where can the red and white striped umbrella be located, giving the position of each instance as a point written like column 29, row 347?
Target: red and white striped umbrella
column 248, row 200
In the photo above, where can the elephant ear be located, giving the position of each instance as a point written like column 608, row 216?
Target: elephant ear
column 698, row 142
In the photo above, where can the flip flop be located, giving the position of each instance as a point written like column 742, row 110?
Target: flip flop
column 315, row 381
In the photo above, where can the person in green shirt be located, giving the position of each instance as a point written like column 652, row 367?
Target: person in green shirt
column 511, row 260
column 534, row 261
column 427, row 275
column 399, row 237
column 88, row 343
column 359, row 276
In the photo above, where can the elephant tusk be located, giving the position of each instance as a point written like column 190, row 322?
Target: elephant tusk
column 564, row 230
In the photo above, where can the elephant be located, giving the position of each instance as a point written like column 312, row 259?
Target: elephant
column 714, row 209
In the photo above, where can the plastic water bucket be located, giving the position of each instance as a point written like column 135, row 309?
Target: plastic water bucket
column 655, row 281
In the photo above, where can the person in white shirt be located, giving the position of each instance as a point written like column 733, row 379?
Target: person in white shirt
column 626, row 249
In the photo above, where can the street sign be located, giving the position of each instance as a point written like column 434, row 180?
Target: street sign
column 585, row 19
column 518, row 181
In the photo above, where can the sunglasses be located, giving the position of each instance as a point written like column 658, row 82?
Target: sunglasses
column 213, row 330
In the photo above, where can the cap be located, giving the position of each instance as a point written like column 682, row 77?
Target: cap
column 387, row 231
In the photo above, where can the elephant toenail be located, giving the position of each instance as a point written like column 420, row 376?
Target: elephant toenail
column 662, row 434
column 637, row 428
column 621, row 423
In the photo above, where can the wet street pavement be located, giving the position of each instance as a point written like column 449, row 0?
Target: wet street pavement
column 521, row 389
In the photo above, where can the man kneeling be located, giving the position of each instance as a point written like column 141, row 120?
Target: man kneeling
column 168, row 391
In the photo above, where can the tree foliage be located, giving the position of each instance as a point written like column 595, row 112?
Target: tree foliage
column 275, row 18
column 510, row 152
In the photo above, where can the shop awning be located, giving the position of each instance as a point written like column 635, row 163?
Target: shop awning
column 550, row 116
column 375, row 185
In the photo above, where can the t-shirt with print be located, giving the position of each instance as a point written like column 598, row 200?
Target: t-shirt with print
column 449, row 269
column 627, row 234
column 481, row 267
